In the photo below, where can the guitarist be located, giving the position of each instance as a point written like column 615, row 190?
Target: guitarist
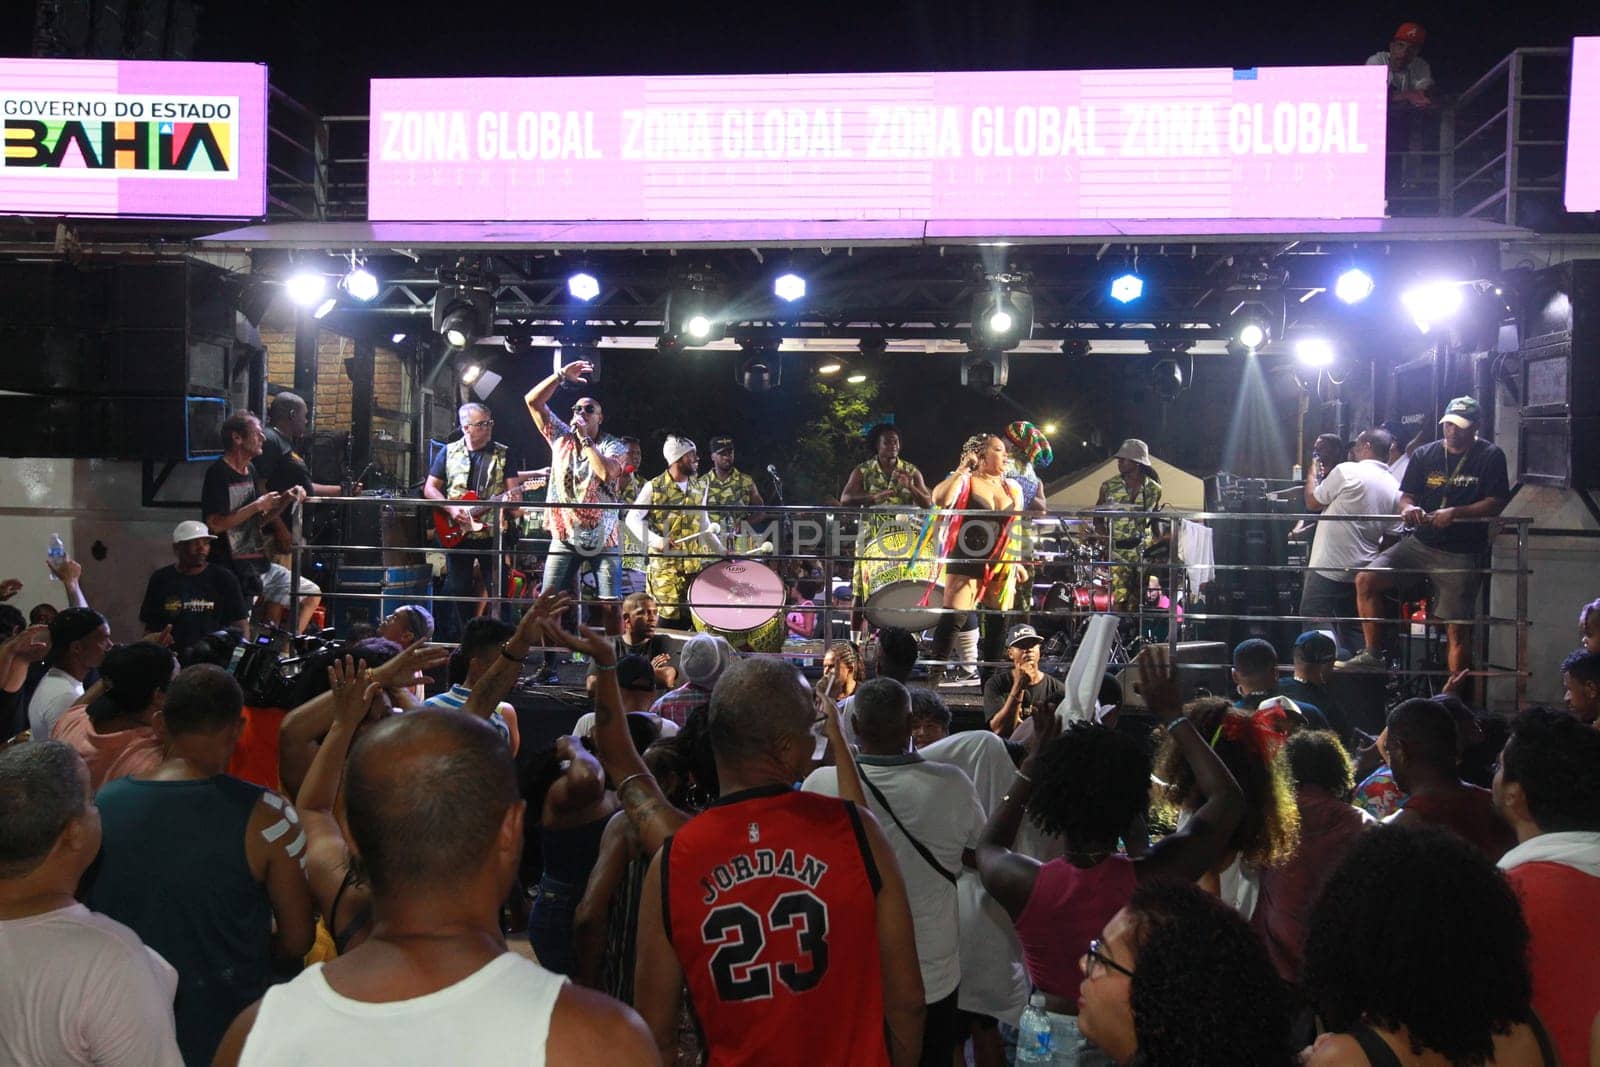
column 586, row 467
column 478, row 464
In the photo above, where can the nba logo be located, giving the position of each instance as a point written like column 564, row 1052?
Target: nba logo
column 755, row 832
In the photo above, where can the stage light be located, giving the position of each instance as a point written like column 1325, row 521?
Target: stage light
column 1167, row 379
column 692, row 316
column 305, row 288
column 361, row 284
column 1127, row 288
column 1314, row 352
column 790, row 287
column 698, row 327
column 985, row 371
column 397, row 338
column 473, row 372
column 1049, row 428
column 1354, row 286
column 1252, row 335
column 1433, row 303
column 856, row 378
column 830, row 366
column 1005, row 311
column 583, row 286
column 323, row 308
column 761, row 373
column 463, row 305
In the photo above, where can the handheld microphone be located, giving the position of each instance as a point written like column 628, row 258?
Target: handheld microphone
column 772, row 470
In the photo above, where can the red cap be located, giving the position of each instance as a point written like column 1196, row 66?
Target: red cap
column 1411, row 33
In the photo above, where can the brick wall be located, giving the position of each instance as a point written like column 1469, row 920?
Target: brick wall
column 332, row 411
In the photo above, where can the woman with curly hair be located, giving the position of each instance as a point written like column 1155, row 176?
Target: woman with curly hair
column 1418, row 954
column 1089, row 785
column 1248, row 743
column 1178, row 978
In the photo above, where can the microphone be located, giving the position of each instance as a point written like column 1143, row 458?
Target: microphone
column 772, row 470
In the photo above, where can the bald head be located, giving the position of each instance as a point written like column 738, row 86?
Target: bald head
column 426, row 795
column 757, row 706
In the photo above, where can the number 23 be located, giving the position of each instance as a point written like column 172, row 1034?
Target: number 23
column 737, row 931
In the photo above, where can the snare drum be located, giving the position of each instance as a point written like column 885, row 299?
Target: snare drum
column 741, row 600
column 901, row 590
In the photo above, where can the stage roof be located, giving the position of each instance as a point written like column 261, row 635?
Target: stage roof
column 502, row 236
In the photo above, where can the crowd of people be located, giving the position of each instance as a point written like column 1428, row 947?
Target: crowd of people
column 722, row 863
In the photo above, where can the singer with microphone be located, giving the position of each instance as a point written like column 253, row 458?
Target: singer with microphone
column 669, row 516
column 585, row 467
column 727, row 484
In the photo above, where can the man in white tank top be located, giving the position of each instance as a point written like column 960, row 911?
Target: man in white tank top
column 432, row 805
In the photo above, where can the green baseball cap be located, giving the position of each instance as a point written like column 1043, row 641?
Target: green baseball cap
column 1463, row 412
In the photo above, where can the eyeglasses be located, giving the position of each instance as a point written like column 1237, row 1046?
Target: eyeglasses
column 1096, row 955
column 481, row 425
column 585, row 409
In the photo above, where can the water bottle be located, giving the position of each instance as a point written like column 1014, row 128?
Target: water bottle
column 55, row 555
column 1035, row 1041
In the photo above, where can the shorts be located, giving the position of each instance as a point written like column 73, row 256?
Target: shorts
column 1455, row 596
column 275, row 585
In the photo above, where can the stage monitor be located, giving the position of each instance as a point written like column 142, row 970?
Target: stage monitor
column 1207, row 143
column 90, row 137
column 1583, row 127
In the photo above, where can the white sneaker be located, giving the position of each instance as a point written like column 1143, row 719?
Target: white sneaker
column 1365, row 660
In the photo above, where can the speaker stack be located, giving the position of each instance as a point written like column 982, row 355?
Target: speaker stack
column 1246, row 549
column 1559, row 335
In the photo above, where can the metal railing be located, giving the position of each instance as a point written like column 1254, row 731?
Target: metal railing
column 822, row 537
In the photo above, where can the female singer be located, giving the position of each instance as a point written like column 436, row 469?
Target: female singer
column 977, row 547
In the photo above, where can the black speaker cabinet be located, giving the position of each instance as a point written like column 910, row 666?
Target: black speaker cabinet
column 146, row 328
column 102, row 427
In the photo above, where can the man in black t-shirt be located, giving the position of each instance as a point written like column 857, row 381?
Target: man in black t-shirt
column 192, row 597
column 236, row 505
column 639, row 637
column 1448, row 481
column 1015, row 693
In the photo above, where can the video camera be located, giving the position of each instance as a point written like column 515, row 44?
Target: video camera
column 258, row 664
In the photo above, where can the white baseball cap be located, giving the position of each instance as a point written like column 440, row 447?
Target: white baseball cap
column 191, row 530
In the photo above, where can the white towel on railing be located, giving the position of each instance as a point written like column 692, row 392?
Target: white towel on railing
column 1196, row 553
column 1088, row 669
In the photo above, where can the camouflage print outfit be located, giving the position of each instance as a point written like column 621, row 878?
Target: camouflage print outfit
column 734, row 489
column 1129, row 537
column 874, row 523
column 671, row 518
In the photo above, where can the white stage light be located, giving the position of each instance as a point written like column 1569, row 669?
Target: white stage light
column 1354, row 286
column 698, row 327
column 305, row 288
column 1433, row 303
column 323, row 308
column 790, row 287
column 361, row 284
column 1252, row 335
column 1314, row 352
column 583, row 286
column 1127, row 288
column 1000, row 322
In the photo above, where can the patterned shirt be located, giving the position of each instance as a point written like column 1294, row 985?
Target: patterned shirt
column 1114, row 492
column 572, row 481
column 874, row 481
column 676, row 704
column 455, row 698
column 736, row 488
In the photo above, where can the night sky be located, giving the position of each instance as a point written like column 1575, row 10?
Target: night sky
column 322, row 51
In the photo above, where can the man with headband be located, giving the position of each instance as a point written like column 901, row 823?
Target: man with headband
column 584, row 469
column 669, row 517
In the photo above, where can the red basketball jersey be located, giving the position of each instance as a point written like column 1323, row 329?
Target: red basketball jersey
column 770, row 904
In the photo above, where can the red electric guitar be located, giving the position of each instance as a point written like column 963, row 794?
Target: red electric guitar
column 453, row 533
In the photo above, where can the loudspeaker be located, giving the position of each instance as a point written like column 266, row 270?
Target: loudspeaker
column 150, row 328
column 100, row 427
column 1559, row 332
column 1563, row 452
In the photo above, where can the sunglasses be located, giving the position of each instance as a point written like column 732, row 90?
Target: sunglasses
column 485, row 424
column 1097, row 955
column 585, row 409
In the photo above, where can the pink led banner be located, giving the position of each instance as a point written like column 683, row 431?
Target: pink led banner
column 1302, row 142
column 1583, row 127
column 107, row 137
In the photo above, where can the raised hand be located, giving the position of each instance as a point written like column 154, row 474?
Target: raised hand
column 1158, row 683
column 577, row 370
column 68, row 570
column 30, row 645
column 543, row 616
column 162, row 637
column 407, row 668
column 353, row 691
column 10, row 588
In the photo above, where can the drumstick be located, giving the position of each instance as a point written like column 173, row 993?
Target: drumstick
column 712, row 529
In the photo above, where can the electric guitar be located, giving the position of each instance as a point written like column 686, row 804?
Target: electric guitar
column 451, row 533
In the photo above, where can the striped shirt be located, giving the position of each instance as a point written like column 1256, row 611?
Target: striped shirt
column 455, row 699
